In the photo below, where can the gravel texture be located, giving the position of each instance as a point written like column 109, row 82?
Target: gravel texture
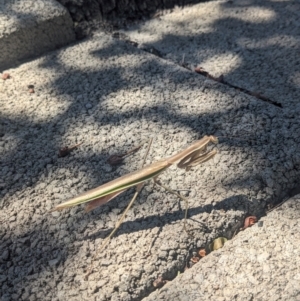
column 114, row 96
column 260, row 263
column 254, row 44
column 30, row 28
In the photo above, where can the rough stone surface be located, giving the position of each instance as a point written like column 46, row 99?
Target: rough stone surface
column 260, row 263
column 133, row 95
column 30, row 28
column 254, row 44
column 89, row 13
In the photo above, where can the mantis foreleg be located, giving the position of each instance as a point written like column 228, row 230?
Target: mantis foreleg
column 181, row 197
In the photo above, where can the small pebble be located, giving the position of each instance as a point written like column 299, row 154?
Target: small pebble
column 260, row 223
column 6, row 76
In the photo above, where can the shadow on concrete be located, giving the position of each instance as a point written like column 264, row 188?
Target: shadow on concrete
column 257, row 53
column 38, row 253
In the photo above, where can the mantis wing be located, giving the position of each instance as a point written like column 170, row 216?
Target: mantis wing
column 98, row 202
column 118, row 185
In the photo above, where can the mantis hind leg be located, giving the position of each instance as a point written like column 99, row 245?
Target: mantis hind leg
column 186, row 201
column 118, row 224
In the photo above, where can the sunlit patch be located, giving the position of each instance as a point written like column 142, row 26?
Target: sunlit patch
column 253, row 14
column 280, row 1
column 202, row 19
column 283, row 41
column 38, row 110
column 295, row 79
column 222, row 63
column 177, row 24
column 9, row 144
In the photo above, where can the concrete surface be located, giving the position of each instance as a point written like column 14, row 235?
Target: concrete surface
column 29, row 28
column 261, row 263
column 254, row 44
column 112, row 96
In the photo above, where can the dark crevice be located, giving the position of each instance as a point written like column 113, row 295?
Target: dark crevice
column 198, row 70
column 89, row 15
column 221, row 80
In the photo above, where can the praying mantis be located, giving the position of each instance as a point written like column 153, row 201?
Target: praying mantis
column 195, row 154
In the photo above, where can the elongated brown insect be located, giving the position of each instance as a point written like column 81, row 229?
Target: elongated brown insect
column 195, row 154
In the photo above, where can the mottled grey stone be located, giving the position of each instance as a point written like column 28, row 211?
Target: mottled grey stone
column 242, row 269
column 141, row 96
column 254, row 45
column 30, row 28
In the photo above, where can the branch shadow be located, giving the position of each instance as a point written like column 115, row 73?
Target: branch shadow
column 45, row 243
column 253, row 44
